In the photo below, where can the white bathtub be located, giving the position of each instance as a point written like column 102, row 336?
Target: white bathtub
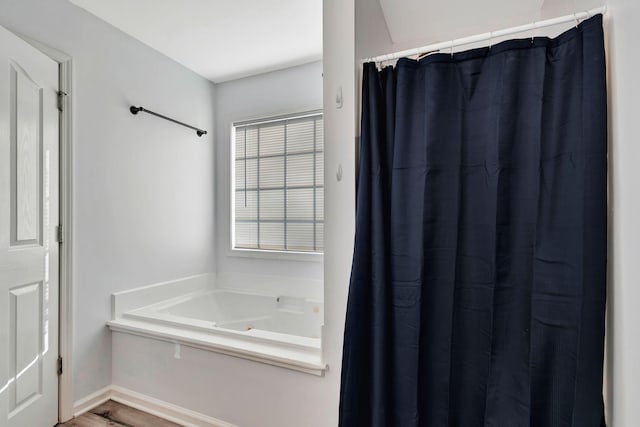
column 278, row 329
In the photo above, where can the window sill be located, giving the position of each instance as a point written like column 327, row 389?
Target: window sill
column 276, row 255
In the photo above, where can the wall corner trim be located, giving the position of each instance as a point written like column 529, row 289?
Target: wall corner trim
column 159, row 408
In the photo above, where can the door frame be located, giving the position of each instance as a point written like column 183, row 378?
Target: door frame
column 65, row 192
column 65, row 333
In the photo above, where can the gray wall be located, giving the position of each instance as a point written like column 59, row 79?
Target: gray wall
column 270, row 94
column 623, row 341
column 144, row 188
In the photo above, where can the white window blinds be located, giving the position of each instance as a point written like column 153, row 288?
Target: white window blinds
column 279, row 184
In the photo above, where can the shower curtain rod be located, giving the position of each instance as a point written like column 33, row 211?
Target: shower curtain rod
column 135, row 110
column 487, row 36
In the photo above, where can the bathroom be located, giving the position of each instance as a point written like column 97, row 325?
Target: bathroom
column 167, row 300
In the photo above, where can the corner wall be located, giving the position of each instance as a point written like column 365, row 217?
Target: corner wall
column 143, row 188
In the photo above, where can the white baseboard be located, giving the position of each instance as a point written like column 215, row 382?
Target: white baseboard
column 159, row 408
column 91, row 401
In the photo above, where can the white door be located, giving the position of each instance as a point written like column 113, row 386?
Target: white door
column 28, row 244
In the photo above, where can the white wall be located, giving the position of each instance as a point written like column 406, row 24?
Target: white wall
column 143, row 195
column 372, row 34
column 340, row 196
column 290, row 90
column 623, row 340
column 234, row 390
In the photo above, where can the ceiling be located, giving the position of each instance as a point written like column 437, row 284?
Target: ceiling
column 437, row 20
column 221, row 39
column 228, row 39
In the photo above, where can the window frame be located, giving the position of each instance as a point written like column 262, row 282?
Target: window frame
column 262, row 253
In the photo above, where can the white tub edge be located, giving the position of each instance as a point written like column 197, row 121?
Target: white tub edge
column 293, row 359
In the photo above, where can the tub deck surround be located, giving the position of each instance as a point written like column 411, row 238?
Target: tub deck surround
column 277, row 329
column 125, row 301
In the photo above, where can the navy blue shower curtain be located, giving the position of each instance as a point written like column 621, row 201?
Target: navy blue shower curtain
column 477, row 293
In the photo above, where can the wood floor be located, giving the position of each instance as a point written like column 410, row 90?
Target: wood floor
column 115, row 414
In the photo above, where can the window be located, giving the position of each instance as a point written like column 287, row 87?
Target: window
column 278, row 185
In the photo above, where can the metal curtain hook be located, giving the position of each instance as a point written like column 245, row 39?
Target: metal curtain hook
column 575, row 16
column 490, row 39
column 533, row 31
column 451, row 49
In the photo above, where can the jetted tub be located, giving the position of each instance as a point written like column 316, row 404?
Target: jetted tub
column 276, row 329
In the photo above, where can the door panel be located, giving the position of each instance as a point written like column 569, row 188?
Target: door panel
column 24, row 322
column 26, row 148
column 28, row 246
